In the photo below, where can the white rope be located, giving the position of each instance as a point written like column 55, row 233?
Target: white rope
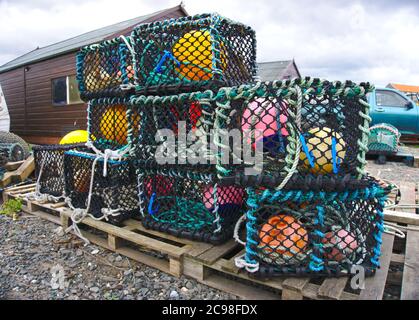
column 79, row 214
column 241, row 263
column 237, row 228
column 128, row 86
column 37, row 195
column 396, row 231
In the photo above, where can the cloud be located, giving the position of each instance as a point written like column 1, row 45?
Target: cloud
column 357, row 40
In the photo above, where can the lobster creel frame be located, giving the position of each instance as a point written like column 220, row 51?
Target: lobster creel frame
column 101, row 188
column 193, row 53
column 105, row 69
column 49, row 167
column 189, row 204
column 300, row 133
column 298, row 233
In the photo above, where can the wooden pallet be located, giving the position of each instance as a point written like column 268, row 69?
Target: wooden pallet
column 214, row 265
column 18, row 171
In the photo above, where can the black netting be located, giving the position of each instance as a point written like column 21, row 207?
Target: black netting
column 175, row 130
column 109, row 123
column 317, row 238
column 115, row 193
column 102, row 68
column 191, row 207
column 193, row 53
column 49, row 167
column 330, row 132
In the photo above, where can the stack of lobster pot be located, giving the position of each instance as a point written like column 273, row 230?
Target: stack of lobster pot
column 312, row 209
column 175, row 110
column 179, row 67
column 100, row 179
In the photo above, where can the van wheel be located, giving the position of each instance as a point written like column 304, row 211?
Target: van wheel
column 8, row 137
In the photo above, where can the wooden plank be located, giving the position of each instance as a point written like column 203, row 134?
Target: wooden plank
column 216, row 252
column 332, row 288
column 25, row 170
column 293, row 288
column 133, row 254
column 195, row 269
column 239, row 289
column 408, row 195
column 136, row 238
column 230, row 264
column 45, row 216
column 398, row 258
column 401, row 217
column 24, row 186
column 12, row 166
column 137, row 225
column 410, row 284
column 374, row 286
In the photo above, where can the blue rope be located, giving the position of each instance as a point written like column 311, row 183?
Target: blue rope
column 167, row 54
column 306, row 151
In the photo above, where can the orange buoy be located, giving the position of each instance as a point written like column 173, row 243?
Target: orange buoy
column 284, row 235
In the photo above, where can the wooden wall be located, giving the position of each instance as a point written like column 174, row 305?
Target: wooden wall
column 29, row 96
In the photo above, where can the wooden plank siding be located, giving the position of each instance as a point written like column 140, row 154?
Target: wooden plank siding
column 29, row 95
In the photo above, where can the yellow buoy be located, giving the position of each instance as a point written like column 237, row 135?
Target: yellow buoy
column 320, row 146
column 77, row 136
column 194, row 52
column 114, row 124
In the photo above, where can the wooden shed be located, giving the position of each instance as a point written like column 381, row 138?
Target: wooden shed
column 42, row 93
column 40, row 86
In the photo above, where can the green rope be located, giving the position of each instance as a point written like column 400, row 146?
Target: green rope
column 184, row 213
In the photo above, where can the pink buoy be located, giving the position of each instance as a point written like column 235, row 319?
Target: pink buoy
column 225, row 195
column 265, row 114
column 344, row 244
column 160, row 185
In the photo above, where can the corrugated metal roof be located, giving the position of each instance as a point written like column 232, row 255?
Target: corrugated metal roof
column 273, row 70
column 77, row 42
column 404, row 87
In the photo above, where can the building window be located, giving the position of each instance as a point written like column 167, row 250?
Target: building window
column 65, row 91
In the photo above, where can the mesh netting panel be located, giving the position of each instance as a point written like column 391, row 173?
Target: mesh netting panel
column 319, row 234
column 175, row 130
column 102, row 68
column 110, row 120
column 116, row 192
column 313, row 132
column 190, row 206
column 49, row 167
column 193, row 53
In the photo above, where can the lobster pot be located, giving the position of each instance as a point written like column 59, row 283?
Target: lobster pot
column 314, row 233
column 193, row 53
column 174, row 130
column 109, row 122
column 49, row 167
column 383, row 138
column 112, row 193
column 189, row 205
column 103, row 67
column 303, row 133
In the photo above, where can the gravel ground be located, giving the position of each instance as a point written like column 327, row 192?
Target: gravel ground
column 31, row 248
column 396, row 171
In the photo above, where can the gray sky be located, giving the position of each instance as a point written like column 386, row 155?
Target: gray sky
column 337, row 40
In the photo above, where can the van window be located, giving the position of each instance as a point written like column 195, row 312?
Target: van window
column 390, row 99
column 65, row 91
